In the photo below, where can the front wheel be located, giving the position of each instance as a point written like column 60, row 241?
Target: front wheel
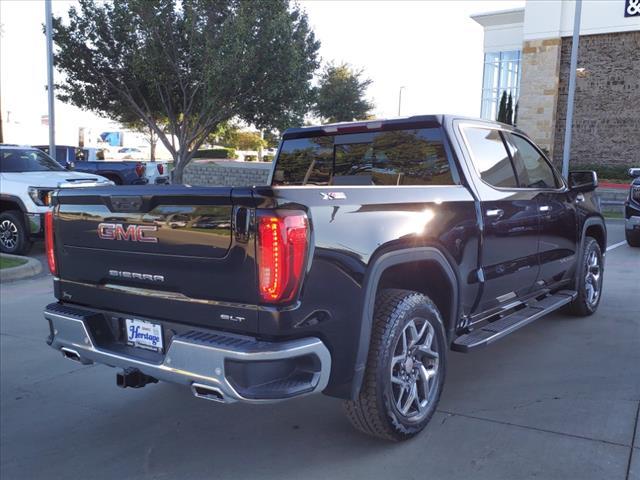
column 589, row 283
column 14, row 236
column 405, row 367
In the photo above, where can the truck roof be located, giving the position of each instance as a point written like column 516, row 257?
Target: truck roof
column 415, row 121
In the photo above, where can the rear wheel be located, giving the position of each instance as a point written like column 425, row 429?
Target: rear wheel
column 405, row 368
column 589, row 284
column 14, row 236
column 114, row 179
column 633, row 237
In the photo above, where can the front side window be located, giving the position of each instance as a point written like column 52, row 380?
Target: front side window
column 26, row 160
column 533, row 170
column 490, row 157
column 393, row 157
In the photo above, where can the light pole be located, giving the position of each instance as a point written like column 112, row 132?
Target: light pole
column 50, row 92
column 400, row 99
column 566, row 149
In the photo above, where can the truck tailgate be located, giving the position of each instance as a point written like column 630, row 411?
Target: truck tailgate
column 165, row 252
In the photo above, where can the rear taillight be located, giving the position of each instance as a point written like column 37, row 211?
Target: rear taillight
column 49, row 243
column 140, row 168
column 160, row 168
column 283, row 241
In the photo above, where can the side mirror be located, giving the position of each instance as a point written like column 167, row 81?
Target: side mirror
column 634, row 172
column 583, row 181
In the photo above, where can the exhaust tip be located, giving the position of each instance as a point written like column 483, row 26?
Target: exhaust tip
column 70, row 354
column 207, row 392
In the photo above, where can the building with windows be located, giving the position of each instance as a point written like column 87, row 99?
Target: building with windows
column 527, row 54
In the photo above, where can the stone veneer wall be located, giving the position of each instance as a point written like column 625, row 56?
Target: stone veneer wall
column 539, row 90
column 606, row 115
column 227, row 173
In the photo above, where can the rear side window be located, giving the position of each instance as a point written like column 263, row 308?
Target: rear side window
column 490, row 157
column 533, row 170
column 393, row 157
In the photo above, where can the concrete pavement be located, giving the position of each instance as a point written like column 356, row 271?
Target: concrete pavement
column 557, row 399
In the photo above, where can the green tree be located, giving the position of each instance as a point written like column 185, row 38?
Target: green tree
column 234, row 136
column 502, row 108
column 509, row 110
column 195, row 63
column 244, row 140
column 272, row 138
column 341, row 94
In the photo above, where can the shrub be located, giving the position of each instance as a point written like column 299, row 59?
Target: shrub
column 215, row 153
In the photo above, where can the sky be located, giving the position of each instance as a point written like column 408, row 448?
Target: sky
column 432, row 48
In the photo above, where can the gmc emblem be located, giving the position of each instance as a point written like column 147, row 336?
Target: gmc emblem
column 133, row 233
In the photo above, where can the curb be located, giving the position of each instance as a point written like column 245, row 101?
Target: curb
column 616, row 186
column 30, row 269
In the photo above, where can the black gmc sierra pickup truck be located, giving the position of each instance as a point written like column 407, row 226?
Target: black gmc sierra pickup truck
column 378, row 247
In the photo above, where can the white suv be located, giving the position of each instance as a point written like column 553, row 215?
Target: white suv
column 27, row 176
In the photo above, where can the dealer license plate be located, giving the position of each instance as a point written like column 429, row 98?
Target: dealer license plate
column 143, row 334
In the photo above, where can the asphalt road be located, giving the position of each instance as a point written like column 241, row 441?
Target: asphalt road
column 557, row 399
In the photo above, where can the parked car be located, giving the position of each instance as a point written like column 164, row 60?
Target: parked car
column 157, row 173
column 28, row 176
column 355, row 282
column 119, row 172
column 632, row 210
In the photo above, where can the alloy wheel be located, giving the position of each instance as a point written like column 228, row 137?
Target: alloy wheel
column 8, row 234
column 414, row 369
column 592, row 281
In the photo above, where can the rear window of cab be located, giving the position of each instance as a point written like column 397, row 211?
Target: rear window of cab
column 391, row 157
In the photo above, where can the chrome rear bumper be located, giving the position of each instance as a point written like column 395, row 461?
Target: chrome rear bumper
column 200, row 360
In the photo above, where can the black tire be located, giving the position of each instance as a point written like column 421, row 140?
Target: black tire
column 14, row 236
column 584, row 304
column 375, row 411
column 633, row 237
column 114, row 179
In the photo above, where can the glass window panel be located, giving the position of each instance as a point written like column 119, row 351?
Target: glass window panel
column 491, row 76
column 533, row 170
column 501, row 73
column 395, row 157
column 510, row 55
column 490, row 157
column 492, row 57
column 305, row 161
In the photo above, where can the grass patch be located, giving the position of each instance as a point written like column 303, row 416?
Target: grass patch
column 11, row 262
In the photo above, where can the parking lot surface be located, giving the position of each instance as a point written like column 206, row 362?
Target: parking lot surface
column 558, row 399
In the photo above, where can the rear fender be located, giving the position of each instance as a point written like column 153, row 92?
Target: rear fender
column 590, row 222
column 372, row 280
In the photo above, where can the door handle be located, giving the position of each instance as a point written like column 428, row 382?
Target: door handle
column 579, row 198
column 242, row 224
column 544, row 208
column 496, row 212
